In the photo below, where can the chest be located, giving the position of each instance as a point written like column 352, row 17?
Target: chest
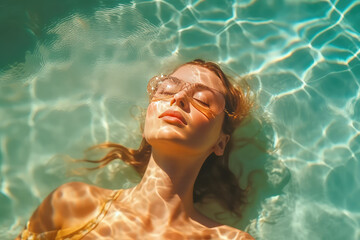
column 124, row 224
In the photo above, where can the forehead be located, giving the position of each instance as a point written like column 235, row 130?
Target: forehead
column 197, row 74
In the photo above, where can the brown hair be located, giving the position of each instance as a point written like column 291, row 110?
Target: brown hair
column 215, row 180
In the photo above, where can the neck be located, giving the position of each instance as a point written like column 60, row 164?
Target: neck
column 166, row 188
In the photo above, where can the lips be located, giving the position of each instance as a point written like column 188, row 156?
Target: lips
column 173, row 115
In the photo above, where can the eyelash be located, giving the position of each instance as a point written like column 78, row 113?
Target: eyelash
column 201, row 102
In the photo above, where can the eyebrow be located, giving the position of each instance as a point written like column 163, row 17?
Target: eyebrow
column 203, row 86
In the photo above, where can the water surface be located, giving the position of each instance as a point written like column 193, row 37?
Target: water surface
column 72, row 72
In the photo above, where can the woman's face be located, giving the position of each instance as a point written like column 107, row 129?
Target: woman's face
column 176, row 125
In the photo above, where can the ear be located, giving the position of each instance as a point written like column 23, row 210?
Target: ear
column 220, row 145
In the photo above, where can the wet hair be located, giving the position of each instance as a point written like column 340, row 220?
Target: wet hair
column 215, row 180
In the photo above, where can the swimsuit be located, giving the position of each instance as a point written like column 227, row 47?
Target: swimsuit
column 73, row 233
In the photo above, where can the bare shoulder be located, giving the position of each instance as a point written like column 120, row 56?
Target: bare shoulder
column 70, row 204
column 227, row 232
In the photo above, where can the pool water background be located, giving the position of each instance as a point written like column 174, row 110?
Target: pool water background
column 72, row 72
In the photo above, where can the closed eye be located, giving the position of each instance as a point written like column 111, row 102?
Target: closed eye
column 202, row 97
column 202, row 102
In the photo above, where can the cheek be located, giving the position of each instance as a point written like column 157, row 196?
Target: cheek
column 149, row 119
column 156, row 108
column 152, row 121
column 206, row 131
column 150, row 110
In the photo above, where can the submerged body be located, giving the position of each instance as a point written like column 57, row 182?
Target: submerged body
column 106, row 214
column 184, row 126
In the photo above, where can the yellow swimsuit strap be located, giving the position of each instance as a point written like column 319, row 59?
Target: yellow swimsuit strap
column 74, row 233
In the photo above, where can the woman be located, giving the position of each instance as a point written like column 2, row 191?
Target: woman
column 183, row 158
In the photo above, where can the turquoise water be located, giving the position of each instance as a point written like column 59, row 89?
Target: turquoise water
column 71, row 72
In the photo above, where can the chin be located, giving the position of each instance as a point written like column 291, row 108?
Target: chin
column 165, row 134
column 159, row 129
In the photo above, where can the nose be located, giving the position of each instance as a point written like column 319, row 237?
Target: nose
column 181, row 100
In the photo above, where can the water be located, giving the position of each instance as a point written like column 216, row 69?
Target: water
column 72, row 72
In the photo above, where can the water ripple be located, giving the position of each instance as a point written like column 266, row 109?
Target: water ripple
column 82, row 70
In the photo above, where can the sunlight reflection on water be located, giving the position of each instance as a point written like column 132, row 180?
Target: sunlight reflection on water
column 76, row 85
